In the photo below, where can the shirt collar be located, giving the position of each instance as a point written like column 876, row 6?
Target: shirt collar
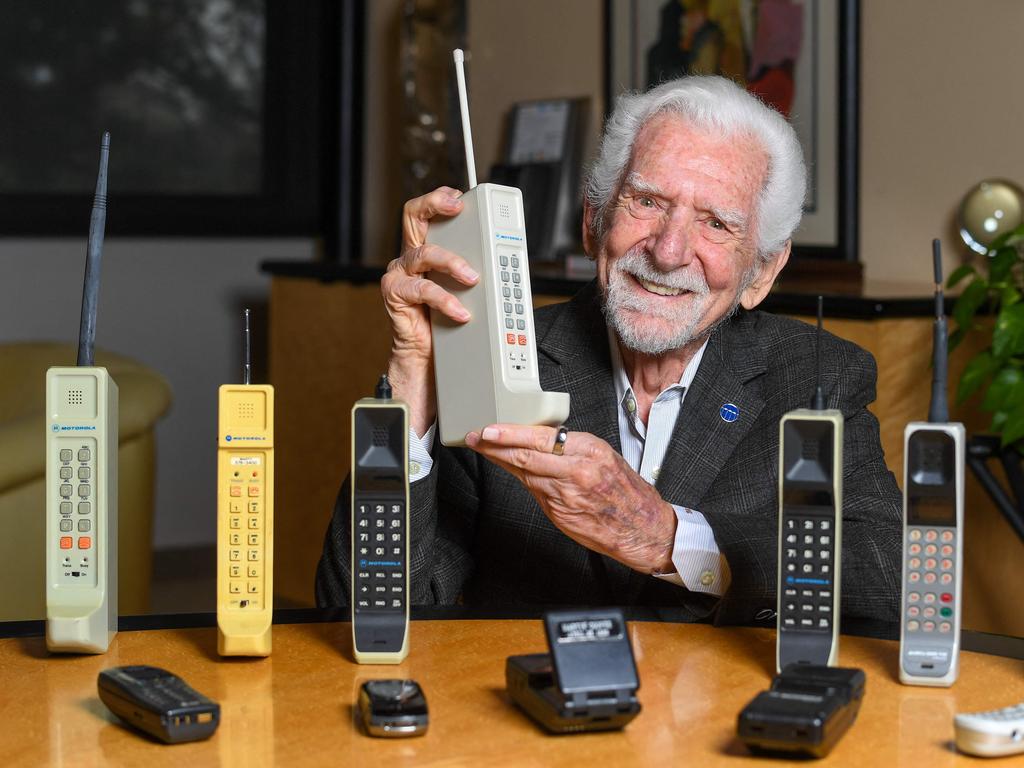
column 623, row 389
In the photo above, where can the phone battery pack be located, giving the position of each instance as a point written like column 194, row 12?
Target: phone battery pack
column 807, row 709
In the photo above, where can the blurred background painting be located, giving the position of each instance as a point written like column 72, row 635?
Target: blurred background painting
column 790, row 53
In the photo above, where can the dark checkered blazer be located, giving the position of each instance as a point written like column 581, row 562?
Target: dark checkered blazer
column 478, row 535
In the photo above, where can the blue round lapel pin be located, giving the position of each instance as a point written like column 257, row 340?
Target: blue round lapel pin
column 729, row 412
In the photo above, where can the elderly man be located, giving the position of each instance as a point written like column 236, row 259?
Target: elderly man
column 661, row 497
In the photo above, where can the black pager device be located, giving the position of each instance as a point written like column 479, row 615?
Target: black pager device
column 588, row 680
column 159, row 703
column 808, row 709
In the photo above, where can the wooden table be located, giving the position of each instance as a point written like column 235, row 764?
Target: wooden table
column 295, row 707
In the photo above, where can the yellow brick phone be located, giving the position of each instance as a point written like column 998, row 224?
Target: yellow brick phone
column 245, row 519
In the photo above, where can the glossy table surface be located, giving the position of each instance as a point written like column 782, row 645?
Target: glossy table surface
column 295, row 708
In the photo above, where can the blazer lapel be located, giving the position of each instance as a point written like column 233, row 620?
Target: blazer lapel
column 704, row 437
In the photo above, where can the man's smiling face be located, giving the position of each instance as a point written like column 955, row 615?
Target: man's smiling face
column 680, row 246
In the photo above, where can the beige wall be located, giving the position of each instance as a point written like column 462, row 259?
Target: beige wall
column 940, row 108
column 940, row 111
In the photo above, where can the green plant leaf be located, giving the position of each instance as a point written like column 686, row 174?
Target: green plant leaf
column 960, row 273
column 1008, row 239
column 1006, row 391
column 1008, row 333
column 1009, row 296
column 969, row 302
column 998, row 419
column 1012, row 237
column 1013, row 427
column 1000, row 264
column 974, row 375
column 956, row 337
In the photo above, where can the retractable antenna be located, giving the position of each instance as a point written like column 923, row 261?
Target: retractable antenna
column 93, row 257
column 819, row 398
column 467, row 132
column 938, row 410
column 246, row 352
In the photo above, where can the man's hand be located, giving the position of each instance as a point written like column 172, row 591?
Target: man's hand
column 408, row 295
column 589, row 492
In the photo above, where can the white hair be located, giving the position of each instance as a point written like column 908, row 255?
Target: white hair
column 714, row 104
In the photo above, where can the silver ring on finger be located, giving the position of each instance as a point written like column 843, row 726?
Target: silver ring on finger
column 560, row 437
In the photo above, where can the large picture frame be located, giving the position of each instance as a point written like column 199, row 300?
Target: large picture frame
column 291, row 123
column 814, row 45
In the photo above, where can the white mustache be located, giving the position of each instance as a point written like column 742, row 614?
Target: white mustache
column 637, row 263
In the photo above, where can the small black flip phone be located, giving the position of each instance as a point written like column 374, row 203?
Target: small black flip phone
column 393, row 708
column 807, row 709
column 587, row 682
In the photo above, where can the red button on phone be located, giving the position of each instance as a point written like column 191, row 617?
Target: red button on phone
column 946, row 597
column 522, row 341
column 510, row 338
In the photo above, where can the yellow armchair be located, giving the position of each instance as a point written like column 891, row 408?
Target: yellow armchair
column 144, row 396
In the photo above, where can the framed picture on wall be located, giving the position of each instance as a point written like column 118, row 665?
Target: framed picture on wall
column 799, row 56
column 227, row 117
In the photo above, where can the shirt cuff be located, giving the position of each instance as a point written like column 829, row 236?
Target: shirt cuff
column 700, row 566
column 420, row 460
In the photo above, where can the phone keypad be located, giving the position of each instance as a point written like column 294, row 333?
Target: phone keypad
column 930, row 580
column 808, row 574
column 515, row 336
column 379, row 543
column 76, row 511
column 246, row 535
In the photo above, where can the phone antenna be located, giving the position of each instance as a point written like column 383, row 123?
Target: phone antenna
column 93, row 258
column 938, row 411
column 246, row 352
column 383, row 389
column 467, row 132
column 819, row 398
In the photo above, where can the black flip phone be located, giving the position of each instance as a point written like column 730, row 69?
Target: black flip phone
column 393, row 708
column 807, row 709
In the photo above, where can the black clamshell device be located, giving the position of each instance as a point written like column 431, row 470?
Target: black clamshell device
column 588, row 680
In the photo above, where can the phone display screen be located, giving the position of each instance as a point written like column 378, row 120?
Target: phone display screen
column 931, row 510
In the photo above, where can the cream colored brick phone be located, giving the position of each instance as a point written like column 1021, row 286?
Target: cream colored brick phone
column 81, row 476
column 810, row 531
column 933, row 527
column 380, row 528
column 486, row 369
column 245, row 515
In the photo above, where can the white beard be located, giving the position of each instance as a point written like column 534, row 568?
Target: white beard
column 683, row 318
